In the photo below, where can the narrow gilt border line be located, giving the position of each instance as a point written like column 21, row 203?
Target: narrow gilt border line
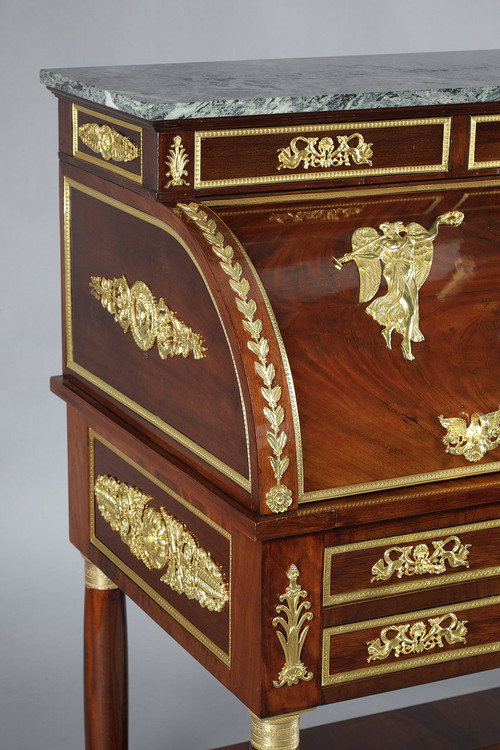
column 224, row 657
column 472, row 163
column 302, row 176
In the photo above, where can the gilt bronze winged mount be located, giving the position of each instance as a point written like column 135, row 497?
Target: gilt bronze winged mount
column 403, row 254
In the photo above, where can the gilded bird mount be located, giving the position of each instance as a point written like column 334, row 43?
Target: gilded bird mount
column 403, row 254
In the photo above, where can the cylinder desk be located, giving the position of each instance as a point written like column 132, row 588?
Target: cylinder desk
column 281, row 351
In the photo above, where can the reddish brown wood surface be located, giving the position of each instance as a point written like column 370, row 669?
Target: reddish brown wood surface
column 366, row 413
column 468, row 722
column 105, row 671
column 158, row 139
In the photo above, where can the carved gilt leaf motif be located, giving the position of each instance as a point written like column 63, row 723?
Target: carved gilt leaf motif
column 306, row 151
column 405, row 639
column 135, row 309
column 279, row 497
column 107, row 142
column 409, row 561
column 294, row 631
column 159, row 540
column 472, row 441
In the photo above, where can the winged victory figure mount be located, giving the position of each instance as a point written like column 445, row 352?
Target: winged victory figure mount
column 403, row 254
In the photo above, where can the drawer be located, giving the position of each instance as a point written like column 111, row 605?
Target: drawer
column 429, row 637
column 173, row 552
column 484, row 142
column 107, row 142
column 411, row 562
column 264, row 156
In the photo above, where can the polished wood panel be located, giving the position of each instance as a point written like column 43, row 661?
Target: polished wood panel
column 467, row 722
column 105, row 671
column 351, row 390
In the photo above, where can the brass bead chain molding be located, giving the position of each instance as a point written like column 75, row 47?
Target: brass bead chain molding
column 96, row 579
column 408, row 639
column 159, row 540
column 307, row 152
column 405, row 252
column 279, row 497
column 472, row 440
column 108, row 142
column 275, row 733
column 294, row 631
column 136, row 310
column 177, row 161
column 410, row 561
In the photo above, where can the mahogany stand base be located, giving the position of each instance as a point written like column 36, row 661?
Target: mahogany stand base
column 468, row 722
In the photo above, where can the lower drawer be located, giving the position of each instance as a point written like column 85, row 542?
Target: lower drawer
column 415, row 639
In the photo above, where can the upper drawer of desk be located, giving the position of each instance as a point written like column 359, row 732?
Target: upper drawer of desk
column 183, row 158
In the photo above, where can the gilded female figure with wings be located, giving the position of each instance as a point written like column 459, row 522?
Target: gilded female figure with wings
column 405, row 254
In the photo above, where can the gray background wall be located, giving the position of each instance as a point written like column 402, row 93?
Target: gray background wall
column 174, row 703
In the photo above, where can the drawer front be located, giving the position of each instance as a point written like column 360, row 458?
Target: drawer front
column 112, row 144
column 484, row 143
column 177, row 555
column 415, row 639
column 411, row 562
column 263, row 156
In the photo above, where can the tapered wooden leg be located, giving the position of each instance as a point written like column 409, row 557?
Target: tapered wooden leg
column 105, row 663
column 276, row 733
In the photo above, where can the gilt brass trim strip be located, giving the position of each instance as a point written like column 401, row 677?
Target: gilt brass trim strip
column 387, row 484
column 179, row 437
column 75, row 109
column 96, row 579
column 324, row 195
column 332, row 174
column 381, row 669
column 223, row 656
column 278, row 497
column 472, row 163
column 397, row 588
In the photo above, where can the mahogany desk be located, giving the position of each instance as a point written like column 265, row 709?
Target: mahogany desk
column 281, row 364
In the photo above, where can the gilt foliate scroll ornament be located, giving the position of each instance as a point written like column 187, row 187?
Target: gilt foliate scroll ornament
column 419, row 560
column 472, row 440
column 294, row 630
column 159, row 540
column 306, row 152
column 136, row 310
column 177, row 161
column 405, row 252
column 107, row 142
column 279, row 497
column 405, row 639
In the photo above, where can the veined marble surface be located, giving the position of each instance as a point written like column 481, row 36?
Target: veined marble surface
column 262, row 87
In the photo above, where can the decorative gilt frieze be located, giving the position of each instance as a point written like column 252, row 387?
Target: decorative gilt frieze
column 307, row 152
column 159, row 540
column 418, row 560
column 279, row 497
column 177, row 161
column 136, row 310
column 107, row 142
column 472, row 441
column 405, row 252
column 294, row 631
column 408, row 639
